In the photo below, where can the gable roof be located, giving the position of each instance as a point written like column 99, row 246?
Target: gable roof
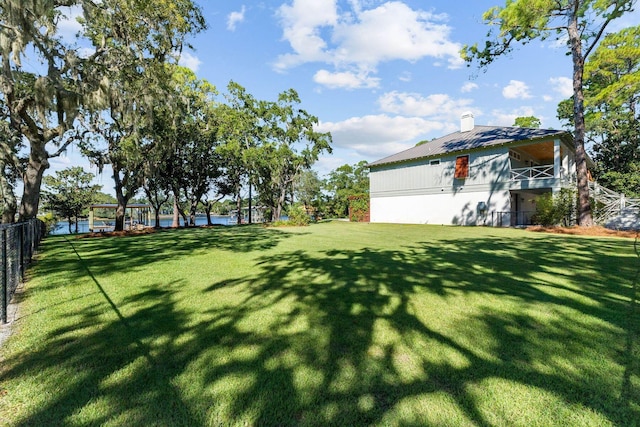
column 478, row 137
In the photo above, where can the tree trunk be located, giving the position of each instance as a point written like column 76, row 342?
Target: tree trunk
column 250, row 213
column 183, row 215
column 120, row 214
column 239, row 208
column 176, row 211
column 281, row 198
column 122, row 200
column 192, row 214
column 32, row 178
column 9, row 203
column 156, row 203
column 585, row 218
column 157, row 215
column 208, row 207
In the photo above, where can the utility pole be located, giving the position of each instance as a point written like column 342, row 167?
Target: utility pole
column 249, row 174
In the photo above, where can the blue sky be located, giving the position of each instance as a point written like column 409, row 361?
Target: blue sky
column 379, row 75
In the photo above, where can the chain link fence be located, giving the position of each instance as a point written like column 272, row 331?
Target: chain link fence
column 19, row 242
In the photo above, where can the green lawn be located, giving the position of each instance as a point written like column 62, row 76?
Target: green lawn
column 333, row 324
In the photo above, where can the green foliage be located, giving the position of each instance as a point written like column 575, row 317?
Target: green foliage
column 49, row 220
column 290, row 146
column 344, row 182
column 69, row 193
column 626, row 181
column 269, row 144
column 358, row 207
column 520, row 21
column 130, row 43
column 182, row 160
column 612, row 73
column 308, row 189
column 555, row 209
column 298, row 215
column 530, row 122
column 613, row 91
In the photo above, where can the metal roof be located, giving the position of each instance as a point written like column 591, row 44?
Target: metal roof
column 478, row 137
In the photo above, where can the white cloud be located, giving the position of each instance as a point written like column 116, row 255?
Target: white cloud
column 405, row 77
column 234, row 18
column 468, row 87
column 359, row 38
column 190, row 61
column 331, row 162
column 379, row 135
column 394, row 31
column 516, row 90
column 439, row 106
column 68, row 25
column 562, row 85
column 302, row 21
column 508, row 118
column 346, row 80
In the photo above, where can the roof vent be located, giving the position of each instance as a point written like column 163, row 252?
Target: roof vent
column 466, row 122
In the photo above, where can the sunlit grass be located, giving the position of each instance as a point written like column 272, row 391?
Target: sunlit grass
column 333, row 324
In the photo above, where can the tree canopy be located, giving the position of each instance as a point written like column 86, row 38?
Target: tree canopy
column 100, row 90
column 120, row 41
column 69, row 193
column 344, row 182
column 612, row 91
column 527, row 122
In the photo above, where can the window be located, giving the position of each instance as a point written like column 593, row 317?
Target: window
column 462, row 167
column 434, row 162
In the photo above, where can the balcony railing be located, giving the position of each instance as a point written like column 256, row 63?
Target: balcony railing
column 536, row 172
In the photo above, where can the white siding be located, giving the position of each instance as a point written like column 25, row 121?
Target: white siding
column 450, row 208
column 420, row 193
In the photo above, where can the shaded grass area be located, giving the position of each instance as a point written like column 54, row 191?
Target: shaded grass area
column 333, row 324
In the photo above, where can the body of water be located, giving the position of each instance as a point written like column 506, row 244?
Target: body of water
column 62, row 227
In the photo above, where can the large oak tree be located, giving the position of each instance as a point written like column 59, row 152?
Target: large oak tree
column 118, row 40
column 290, row 146
column 41, row 105
column 133, row 43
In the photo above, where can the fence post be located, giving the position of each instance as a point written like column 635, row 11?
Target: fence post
column 4, row 295
column 21, row 250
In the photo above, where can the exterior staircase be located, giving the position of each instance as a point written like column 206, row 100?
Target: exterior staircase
column 614, row 210
column 628, row 219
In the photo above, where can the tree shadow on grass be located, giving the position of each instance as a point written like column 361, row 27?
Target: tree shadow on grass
column 132, row 253
column 436, row 332
column 111, row 363
column 566, row 309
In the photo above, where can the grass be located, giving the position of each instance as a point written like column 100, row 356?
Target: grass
column 332, row 324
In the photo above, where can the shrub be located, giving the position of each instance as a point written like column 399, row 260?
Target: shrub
column 298, row 215
column 555, row 209
column 49, row 221
column 359, row 208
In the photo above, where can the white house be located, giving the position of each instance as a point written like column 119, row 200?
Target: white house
column 481, row 175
